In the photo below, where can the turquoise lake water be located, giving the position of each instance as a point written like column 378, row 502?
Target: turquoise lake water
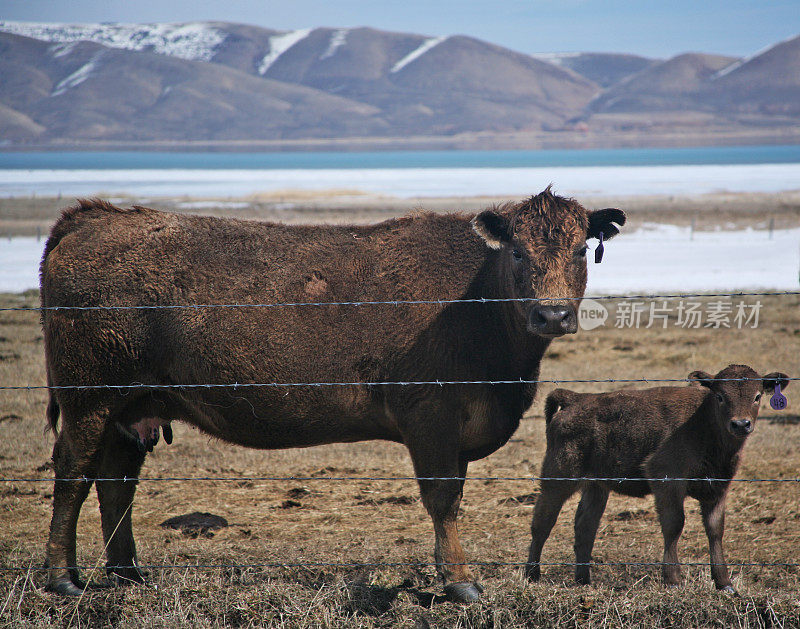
column 136, row 160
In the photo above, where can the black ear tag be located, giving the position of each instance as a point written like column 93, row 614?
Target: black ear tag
column 598, row 252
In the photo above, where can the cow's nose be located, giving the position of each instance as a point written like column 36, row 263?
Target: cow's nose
column 552, row 320
column 741, row 427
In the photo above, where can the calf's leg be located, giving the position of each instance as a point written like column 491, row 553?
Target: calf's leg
column 545, row 513
column 587, row 520
column 74, row 456
column 120, row 459
column 714, row 522
column 669, row 498
column 436, row 455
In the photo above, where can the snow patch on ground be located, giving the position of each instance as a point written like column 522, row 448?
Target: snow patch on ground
column 195, row 41
column 77, row 77
column 279, row 44
column 62, row 50
column 231, row 205
column 738, row 64
column 671, row 258
column 657, row 259
column 417, row 53
column 406, row 182
column 338, row 39
column 555, row 57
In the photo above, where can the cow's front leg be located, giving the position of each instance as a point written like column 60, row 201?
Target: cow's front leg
column 437, row 457
column 714, row 522
column 669, row 497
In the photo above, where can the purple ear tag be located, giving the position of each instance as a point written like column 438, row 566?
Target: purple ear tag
column 598, row 252
column 778, row 400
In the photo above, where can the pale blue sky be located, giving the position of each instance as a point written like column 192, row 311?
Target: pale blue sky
column 654, row 28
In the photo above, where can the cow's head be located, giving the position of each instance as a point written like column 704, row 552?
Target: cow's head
column 541, row 244
column 737, row 392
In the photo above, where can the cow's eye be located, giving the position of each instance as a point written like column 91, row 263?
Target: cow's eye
column 582, row 251
column 720, row 399
column 758, row 399
column 517, row 254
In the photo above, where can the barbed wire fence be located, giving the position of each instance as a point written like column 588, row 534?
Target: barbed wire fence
column 316, row 478
column 402, row 302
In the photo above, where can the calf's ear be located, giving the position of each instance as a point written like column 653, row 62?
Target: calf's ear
column 493, row 228
column 603, row 221
column 771, row 380
column 702, row 378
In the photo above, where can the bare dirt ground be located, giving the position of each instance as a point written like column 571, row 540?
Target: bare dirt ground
column 23, row 216
column 368, row 521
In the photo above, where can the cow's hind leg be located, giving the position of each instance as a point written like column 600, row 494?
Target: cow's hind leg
column 74, row 458
column 587, row 520
column 122, row 459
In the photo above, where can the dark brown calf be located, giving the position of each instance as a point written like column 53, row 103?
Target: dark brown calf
column 664, row 432
column 101, row 255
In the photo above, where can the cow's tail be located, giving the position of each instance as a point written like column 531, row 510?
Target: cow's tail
column 558, row 399
column 53, row 410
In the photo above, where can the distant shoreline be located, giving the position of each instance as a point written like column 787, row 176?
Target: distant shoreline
column 553, row 140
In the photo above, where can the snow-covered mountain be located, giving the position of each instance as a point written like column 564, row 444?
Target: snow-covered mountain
column 388, row 83
column 227, row 81
column 196, row 41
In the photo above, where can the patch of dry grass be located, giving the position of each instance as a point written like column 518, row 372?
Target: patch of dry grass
column 383, row 521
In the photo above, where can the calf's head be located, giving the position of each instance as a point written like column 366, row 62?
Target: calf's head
column 737, row 392
column 541, row 254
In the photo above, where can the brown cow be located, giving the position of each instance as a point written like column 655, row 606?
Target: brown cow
column 98, row 254
column 665, row 432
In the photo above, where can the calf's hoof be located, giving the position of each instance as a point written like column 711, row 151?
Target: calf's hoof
column 63, row 586
column 729, row 590
column 463, row 592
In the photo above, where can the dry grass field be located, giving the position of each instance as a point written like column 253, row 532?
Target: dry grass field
column 367, row 521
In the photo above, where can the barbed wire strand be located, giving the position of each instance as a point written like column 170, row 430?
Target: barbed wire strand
column 397, row 302
column 616, row 479
column 399, row 383
column 403, row 564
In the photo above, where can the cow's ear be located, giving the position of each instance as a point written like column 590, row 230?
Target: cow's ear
column 603, row 221
column 493, row 228
column 773, row 379
column 702, row 378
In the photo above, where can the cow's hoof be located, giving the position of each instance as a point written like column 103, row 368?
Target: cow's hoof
column 126, row 575
column 729, row 590
column 63, row 586
column 533, row 572
column 463, row 592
